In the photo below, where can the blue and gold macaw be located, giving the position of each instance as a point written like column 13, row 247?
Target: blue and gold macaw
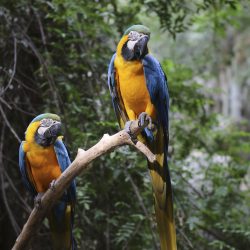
column 42, row 158
column 139, row 90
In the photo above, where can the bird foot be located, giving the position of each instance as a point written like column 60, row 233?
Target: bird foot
column 38, row 200
column 52, row 185
column 143, row 117
column 128, row 130
column 127, row 127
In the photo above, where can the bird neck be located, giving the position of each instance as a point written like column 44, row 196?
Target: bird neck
column 123, row 40
column 31, row 131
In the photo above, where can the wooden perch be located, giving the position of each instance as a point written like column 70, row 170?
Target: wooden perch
column 80, row 164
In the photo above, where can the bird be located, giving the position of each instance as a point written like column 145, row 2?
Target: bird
column 42, row 158
column 139, row 90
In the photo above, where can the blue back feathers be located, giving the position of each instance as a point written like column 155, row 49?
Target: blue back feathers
column 64, row 161
column 22, row 166
column 158, row 90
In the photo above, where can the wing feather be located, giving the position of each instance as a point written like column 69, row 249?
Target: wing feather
column 24, row 171
column 115, row 95
column 158, row 89
column 64, row 161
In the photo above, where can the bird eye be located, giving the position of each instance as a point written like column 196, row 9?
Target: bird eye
column 47, row 122
column 133, row 35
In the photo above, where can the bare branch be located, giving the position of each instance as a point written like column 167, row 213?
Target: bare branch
column 6, row 203
column 79, row 165
column 13, row 70
column 5, row 103
column 9, row 125
column 40, row 26
column 3, row 191
column 18, row 197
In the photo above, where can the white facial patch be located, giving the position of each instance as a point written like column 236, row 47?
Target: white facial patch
column 44, row 125
column 46, row 122
column 131, row 45
column 133, row 38
column 41, row 130
column 133, row 35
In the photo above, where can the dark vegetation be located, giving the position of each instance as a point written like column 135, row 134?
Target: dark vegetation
column 54, row 57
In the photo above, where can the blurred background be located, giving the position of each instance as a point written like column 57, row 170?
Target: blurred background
column 54, row 57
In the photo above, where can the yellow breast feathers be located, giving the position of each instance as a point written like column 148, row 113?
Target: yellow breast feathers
column 132, row 86
column 41, row 163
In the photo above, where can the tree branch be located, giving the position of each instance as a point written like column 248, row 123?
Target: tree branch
column 9, row 125
column 13, row 72
column 2, row 184
column 80, row 164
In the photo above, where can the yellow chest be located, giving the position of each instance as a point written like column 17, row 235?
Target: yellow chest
column 42, row 166
column 132, row 84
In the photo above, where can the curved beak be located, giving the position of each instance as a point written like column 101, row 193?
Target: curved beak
column 54, row 130
column 141, row 46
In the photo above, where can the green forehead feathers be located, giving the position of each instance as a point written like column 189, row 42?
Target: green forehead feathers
column 46, row 115
column 139, row 28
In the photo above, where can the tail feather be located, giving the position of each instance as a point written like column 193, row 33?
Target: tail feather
column 161, row 183
column 166, row 227
column 163, row 209
column 61, row 224
column 162, row 193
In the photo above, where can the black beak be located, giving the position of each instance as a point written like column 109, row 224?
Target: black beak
column 141, row 48
column 53, row 131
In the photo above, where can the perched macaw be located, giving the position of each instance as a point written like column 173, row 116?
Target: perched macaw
column 42, row 159
column 139, row 90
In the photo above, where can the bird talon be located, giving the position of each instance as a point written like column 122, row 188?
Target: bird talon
column 143, row 117
column 52, row 185
column 128, row 130
column 127, row 127
column 38, row 200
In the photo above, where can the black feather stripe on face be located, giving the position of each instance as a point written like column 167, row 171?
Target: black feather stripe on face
column 43, row 141
column 127, row 54
column 47, row 132
column 135, row 54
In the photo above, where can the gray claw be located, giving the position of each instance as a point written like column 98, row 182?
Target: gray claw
column 143, row 117
column 128, row 130
column 127, row 127
column 52, row 185
column 38, row 200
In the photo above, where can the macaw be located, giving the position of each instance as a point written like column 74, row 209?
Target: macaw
column 42, row 158
column 138, row 87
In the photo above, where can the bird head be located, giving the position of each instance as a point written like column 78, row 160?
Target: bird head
column 44, row 129
column 134, row 42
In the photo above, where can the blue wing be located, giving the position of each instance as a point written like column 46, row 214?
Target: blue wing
column 114, row 92
column 111, row 77
column 64, row 161
column 158, row 90
column 23, row 170
column 59, row 213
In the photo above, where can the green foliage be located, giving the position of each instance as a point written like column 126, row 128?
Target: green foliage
column 62, row 50
column 177, row 16
column 207, row 169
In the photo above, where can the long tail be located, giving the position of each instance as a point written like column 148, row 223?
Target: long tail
column 61, row 225
column 163, row 194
